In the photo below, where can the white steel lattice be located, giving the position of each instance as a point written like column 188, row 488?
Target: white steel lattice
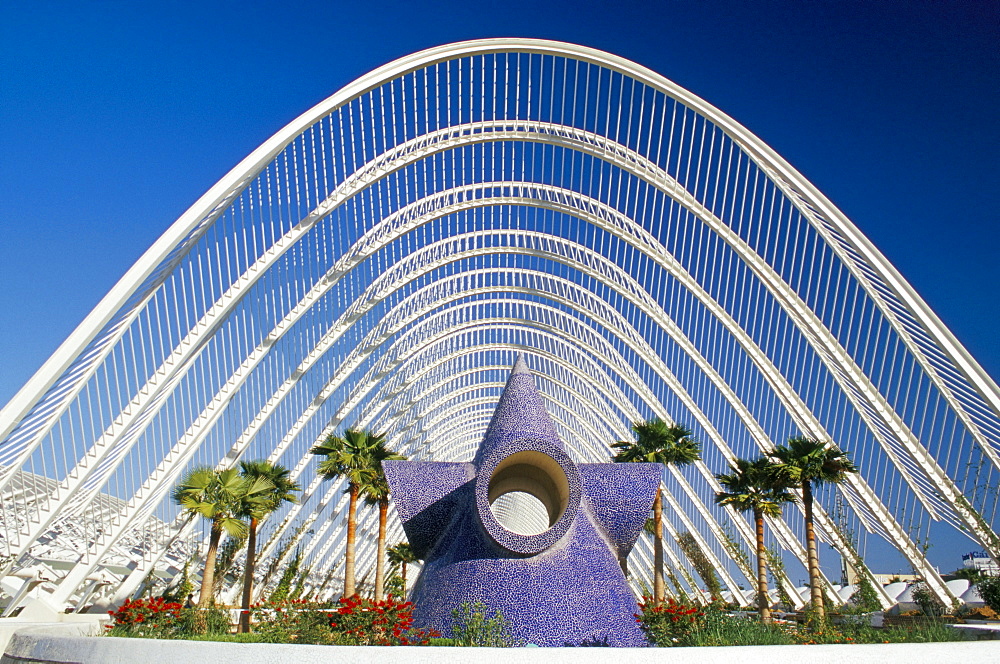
column 382, row 259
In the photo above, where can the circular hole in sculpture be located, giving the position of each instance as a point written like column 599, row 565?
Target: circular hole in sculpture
column 528, row 492
column 521, row 513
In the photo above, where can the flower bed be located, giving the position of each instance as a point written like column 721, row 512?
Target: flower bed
column 351, row 621
column 670, row 623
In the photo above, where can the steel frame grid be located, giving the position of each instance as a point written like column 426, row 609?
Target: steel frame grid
column 670, row 247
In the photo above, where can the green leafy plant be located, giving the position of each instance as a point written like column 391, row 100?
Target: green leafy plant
column 395, row 585
column 157, row 618
column 287, row 577
column 153, row 618
column 926, row 600
column 776, row 566
column 360, row 621
column 702, row 565
column 400, row 555
column 972, row 574
column 293, row 621
column 225, row 562
column 472, row 627
column 989, row 590
column 300, row 584
column 212, row 620
column 718, row 627
column 865, row 598
column 285, row 545
column 183, row 587
column 667, row 623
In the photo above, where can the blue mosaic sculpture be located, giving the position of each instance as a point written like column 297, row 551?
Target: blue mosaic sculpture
column 562, row 586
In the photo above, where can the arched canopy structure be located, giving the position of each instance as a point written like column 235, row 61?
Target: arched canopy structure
column 380, row 261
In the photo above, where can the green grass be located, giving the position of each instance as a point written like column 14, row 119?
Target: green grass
column 188, row 636
column 228, row 638
column 719, row 629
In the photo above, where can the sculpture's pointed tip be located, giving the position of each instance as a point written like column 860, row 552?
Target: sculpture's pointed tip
column 520, row 412
column 520, row 366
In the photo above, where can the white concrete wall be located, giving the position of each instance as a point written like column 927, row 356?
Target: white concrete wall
column 52, row 645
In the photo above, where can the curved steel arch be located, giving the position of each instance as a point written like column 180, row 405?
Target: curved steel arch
column 703, row 252
column 912, row 551
column 634, row 383
column 351, row 315
column 554, row 332
column 452, row 439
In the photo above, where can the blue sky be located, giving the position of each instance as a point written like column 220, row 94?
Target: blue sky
column 115, row 116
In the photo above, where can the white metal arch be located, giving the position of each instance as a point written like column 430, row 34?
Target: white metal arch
column 460, row 438
column 765, row 444
column 566, row 332
column 211, row 344
column 486, row 401
column 608, row 266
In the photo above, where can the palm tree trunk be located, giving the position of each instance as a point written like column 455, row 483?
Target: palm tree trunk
column 208, row 576
column 659, row 592
column 763, row 601
column 404, row 579
column 352, row 525
column 815, row 581
column 383, row 508
column 248, row 576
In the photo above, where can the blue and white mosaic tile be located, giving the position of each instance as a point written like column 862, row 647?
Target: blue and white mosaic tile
column 563, row 586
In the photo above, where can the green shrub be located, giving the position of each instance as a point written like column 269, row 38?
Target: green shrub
column 989, row 590
column 702, row 565
column 667, row 623
column 183, row 588
column 212, row 620
column 154, row 618
column 865, row 599
column 716, row 627
column 354, row 621
column 927, row 601
column 681, row 625
column 929, row 632
column 287, row 577
column 360, row 621
column 473, row 628
column 394, row 584
column 293, row 621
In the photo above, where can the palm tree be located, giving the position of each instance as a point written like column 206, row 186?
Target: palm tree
column 376, row 492
column 402, row 554
column 755, row 486
column 658, row 442
column 282, row 491
column 357, row 457
column 804, row 462
column 218, row 495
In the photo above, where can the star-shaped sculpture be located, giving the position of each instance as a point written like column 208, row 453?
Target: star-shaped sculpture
column 561, row 586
